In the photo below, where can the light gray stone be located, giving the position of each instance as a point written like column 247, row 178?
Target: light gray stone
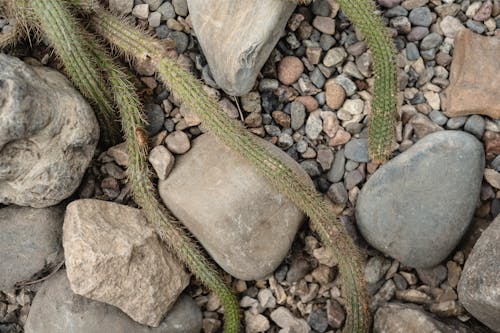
column 56, row 309
column 416, row 207
column 122, row 7
column 479, row 286
column 243, row 223
column 114, row 256
column 357, row 150
column 48, row 135
column 235, row 62
column 409, row 318
column 162, row 161
column 30, row 239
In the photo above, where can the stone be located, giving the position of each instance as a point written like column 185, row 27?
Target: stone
column 430, row 193
column 285, row 319
column 423, row 126
column 335, row 94
column 357, row 150
column 181, row 7
column 141, row 11
column 474, row 81
column 324, row 24
column 56, row 309
column 298, row 115
column 334, row 56
column 255, row 323
column 290, row 69
column 232, row 210
column 314, row 126
column 476, row 125
column 421, row 16
column 162, row 161
column 338, row 193
column 114, row 256
column 48, row 135
column 29, row 240
column 451, row 26
column 479, row 286
column 235, row 62
column 492, row 177
column 122, row 7
column 251, row 102
column 433, row 276
column 404, row 318
column 178, row 142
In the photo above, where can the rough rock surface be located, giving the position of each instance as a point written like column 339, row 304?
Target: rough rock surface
column 479, row 286
column 474, row 81
column 56, row 309
column 245, row 225
column 30, row 238
column 234, row 61
column 48, row 134
column 113, row 256
column 416, row 207
column 409, row 318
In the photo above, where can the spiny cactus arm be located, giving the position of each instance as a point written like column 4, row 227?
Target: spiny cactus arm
column 233, row 135
column 66, row 37
column 169, row 230
column 384, row 106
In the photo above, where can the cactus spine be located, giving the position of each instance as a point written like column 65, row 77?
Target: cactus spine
column 232, row 134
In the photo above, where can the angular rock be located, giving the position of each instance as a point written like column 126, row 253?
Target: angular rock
column 479, row 286
column 162, row 161
column 416, row 207
column 30, row 239
column 114, row 256
column 409, row 318
column 474, row 81
column 243, row 223
column 56, row 309
column 48, row 134
column 234, row 61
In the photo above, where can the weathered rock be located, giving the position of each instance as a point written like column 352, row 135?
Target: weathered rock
column 429, row 196
column 30, row 238
column 479, row 286
column 48, row 134
column 56, row 309
column 235, row 62
column 114, row 256
column 245, row 225
column 406, row 318
column 474, row 81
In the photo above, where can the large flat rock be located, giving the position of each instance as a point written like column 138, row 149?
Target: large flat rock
column 30, row 239
column 237, row 36
column 474, row 81
column 417, row 207
column 244, row 224
column 479, row 286
column 114, row 256
column 48, row 135
column 56, row 309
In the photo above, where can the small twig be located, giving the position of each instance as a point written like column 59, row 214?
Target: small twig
column 239, row 109
column 29, row 283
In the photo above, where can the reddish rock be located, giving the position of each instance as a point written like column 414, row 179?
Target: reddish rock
column 341, row 137
column 309, row 102
column 335, row 94
column 492, row 144
column 289, row 70
column 474, row 81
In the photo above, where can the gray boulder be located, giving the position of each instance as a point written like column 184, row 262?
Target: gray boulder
column 243, row 223
column 48, row 134
column 56, row 309
column 114, row 256
column 417, row 207
column 235, row 61
column 30, row 239
column 479, row 286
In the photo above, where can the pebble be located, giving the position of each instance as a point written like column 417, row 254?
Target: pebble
column 318, row 320
column 314, row 126
column 346, row 83
column 456, row 122
column 421, row 16
column 417, row 33
column 357, row 150
column 285, row 319
column 178, row 142
column 431, row 41
column 255, row 323
column 338, row 193
column 141, row 11
column 451, row 26
column 290, row 69
column 122, row 7
column 154, row 19
column 162, row 161
column 251, row 102
column 434, row 276
column 438, row 117
column 334, row 56
column 298, row 115
column 412, row 52
column 181, row 7
column 309, row 102
column 336, row 172
column 335, row 94
column 475, row 124
column 324, row 24
column 167, row 11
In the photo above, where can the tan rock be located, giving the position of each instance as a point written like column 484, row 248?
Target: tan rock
column 243, row 223
column 114, row 256
column 290, row 69
column 220, row 26
column 335, row 94
column 474, row 81
column 309, row 102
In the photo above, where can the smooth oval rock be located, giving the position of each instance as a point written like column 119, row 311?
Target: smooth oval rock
column 114, row 256
column 56, row 309
column 243, row 223
column 417, row 207
column 219, row 25
column 48, row 135
column 479, row 286
column 30, row 239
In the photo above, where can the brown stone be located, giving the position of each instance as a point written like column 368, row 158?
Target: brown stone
column 309, row 102
column 324, row 24
column 335, row 94
column 290, row 69
column 474, row 80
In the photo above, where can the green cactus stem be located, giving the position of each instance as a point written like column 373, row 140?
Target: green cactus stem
column 67, row 38
column 137, row 45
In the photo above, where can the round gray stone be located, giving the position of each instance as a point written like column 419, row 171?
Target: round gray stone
column 357, row 150
column 417, row 207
